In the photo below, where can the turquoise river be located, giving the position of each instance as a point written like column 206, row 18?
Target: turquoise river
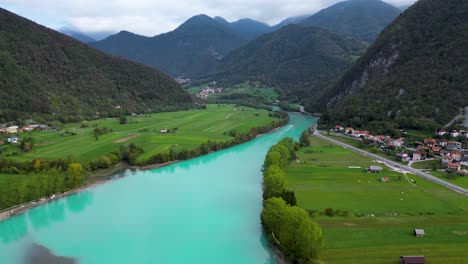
column 204, row 210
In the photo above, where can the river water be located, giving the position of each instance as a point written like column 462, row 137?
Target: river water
column 204, row 210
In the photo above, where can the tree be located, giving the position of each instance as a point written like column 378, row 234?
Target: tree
column 274, row 182
column 75, row 171
column 292, row 230
column 123, row 120
column 305, row 138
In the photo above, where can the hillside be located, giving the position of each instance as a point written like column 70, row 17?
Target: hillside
column 43, row 71
column 360, row 19
column 414, row 74
column 191, row 50
column 295, row 59
column 250, row 29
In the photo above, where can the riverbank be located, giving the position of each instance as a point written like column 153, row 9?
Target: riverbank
column 98, row 177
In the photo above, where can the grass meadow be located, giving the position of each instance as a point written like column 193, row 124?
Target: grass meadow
column 381, row 216
column 194, row 128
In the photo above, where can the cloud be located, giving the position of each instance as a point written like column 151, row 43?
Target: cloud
column 151, row 17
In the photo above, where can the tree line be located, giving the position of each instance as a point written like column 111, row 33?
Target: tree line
column 288, row 227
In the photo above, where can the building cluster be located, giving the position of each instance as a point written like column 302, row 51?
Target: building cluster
column 181, row 80
column 14, row 130
column 205, row 92
column 449, row 151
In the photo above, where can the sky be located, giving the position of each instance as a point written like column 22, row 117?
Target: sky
column 152, row 17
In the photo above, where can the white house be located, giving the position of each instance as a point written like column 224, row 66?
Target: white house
column 164, row 130
column 13, row 140
column 454, row 133
column 12, row 129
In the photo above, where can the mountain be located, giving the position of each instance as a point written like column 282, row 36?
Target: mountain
column 414, row 75
column 45, row 72
column 250, row 29
column 191, row 50
column 288, row 21
column 295, row 59
column 360, row 19
column 77, row 35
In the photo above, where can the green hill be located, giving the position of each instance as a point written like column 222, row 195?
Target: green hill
column 45, row 72
column 414, row 75
column 295, row 59
column 360, row 19
column 191, row 50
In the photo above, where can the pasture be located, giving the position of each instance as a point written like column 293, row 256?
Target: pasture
column 375, row 219
column 194, row 127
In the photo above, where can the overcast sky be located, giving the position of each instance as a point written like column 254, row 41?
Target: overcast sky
column 152, row 17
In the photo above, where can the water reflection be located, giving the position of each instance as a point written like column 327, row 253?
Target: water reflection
column 13, row 229
column 38, row 254
column 78, row 202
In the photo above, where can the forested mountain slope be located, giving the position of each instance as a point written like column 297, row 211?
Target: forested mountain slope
column 43, row 71
column 415, row 73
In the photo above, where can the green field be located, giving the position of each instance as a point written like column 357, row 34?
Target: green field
column 437, row 164
column 194, row 128
column 381, row 215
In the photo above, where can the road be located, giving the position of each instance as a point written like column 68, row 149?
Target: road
column 397, row 165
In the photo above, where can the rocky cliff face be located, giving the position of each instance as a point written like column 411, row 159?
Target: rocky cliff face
column 414, row 72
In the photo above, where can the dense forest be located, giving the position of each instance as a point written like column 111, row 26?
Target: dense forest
column 360, row 19
column 414, row 75
column 297, row 60
column 45, row 72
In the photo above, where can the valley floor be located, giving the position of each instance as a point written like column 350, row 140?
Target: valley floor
column 193, row 128
column 373, row 221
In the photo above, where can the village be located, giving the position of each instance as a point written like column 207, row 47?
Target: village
column 446, row 146
column 209, row 89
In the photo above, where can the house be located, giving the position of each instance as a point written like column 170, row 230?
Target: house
column 412, row 260
column 28, row 128
column 402, row 156
column 454, row 145
column 339, row 128
column 454, row 133
column 446, row 159
column 13, row 140
column 359, row 134
column 396, row 142
column 163, row 131
column 418, row 155
column 453, row 167
column 463, row 134
column 442, row 142
column 436, row 149
column 379, row 138
column 441, row 132
column 349, row 130
column 419, row 233
column 4, row 130
column 464, row 160
column 12, row 129
column 430, row 142
column 384, row 179
column 42, row 127
column 456, row 155
column 374, row 169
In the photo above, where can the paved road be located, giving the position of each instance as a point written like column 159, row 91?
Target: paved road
column 398, row 165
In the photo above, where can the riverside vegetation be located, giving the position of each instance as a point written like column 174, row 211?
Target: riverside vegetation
column 63, row 160
column 288, row 227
